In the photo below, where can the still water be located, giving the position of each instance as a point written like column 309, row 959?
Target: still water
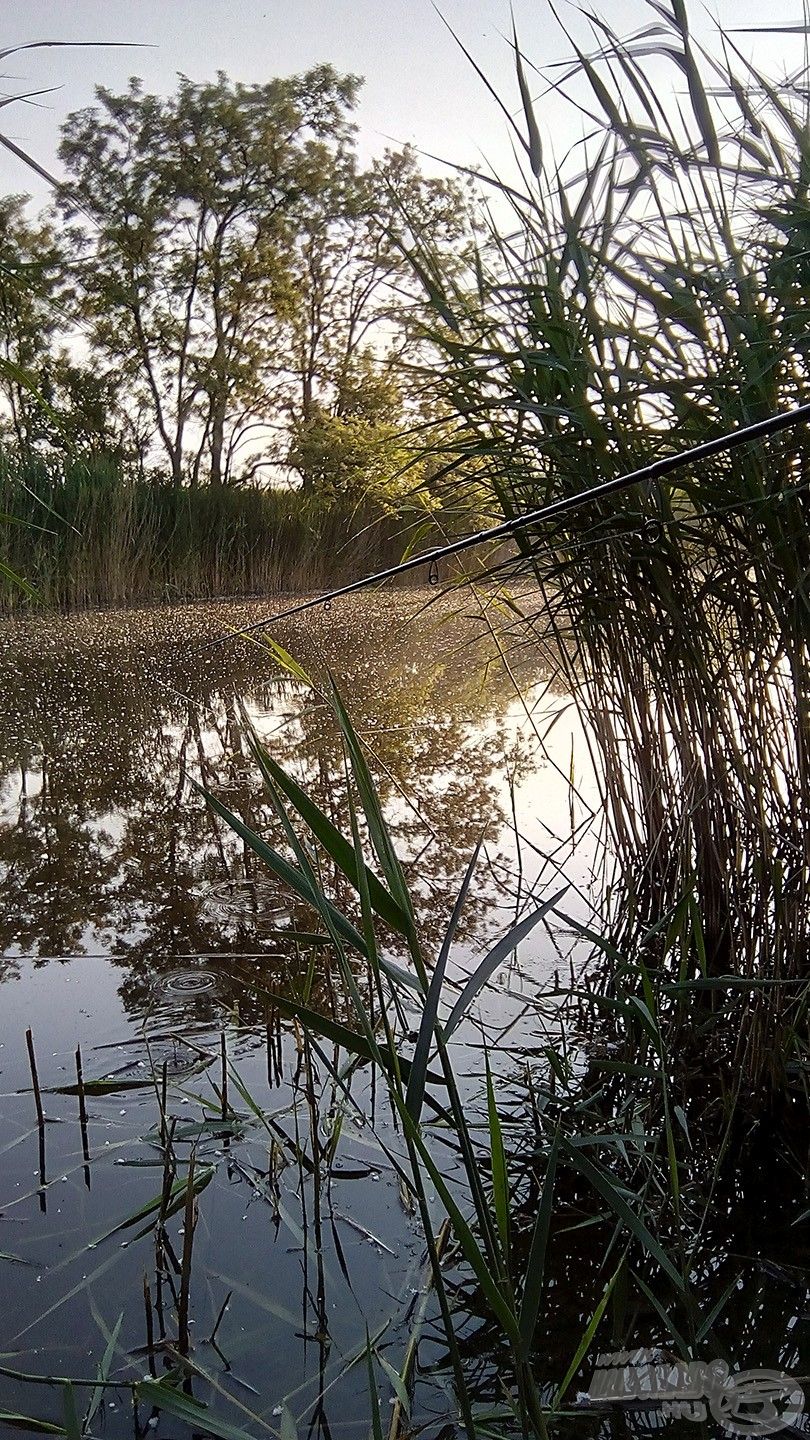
column 142, row 941
column 143, row 956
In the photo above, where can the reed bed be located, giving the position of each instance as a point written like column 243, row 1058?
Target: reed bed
column 646, row 295
column 596, row 1132
column 84, row 535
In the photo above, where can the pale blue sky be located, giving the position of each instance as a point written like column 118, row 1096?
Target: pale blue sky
column 419, row 86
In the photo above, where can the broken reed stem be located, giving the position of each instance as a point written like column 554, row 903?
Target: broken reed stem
column 163, row 1247
column 189, row 1223
column 82, row 1104
column 32, row 1060
column 164, row 1090
column 224, row 1090
column 150, row 1328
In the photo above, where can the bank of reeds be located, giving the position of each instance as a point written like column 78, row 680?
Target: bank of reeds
column 649, row 293
column 82, row 535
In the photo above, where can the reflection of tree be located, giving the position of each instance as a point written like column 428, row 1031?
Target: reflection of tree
column 103, row 847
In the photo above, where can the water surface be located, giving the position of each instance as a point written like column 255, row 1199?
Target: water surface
column 139, row 930
column 143, row 942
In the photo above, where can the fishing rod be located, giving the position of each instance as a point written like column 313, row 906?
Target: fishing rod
column 656, row 470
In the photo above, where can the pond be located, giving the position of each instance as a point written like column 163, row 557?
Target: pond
column 146, row 954
column 138, row 931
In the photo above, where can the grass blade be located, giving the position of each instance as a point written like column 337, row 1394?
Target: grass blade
column 493, row 959
column 536, row 1263
column 290, row 874
column 607, row 1188
column 335, row 844
column 416, row 1083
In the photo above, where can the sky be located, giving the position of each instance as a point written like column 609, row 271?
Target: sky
column 419, row 85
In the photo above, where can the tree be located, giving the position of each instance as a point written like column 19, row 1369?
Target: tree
column 358, row 293
column 356, row 450
column 184, row 212
column 87, row 417
column 359, row 323
column 31, row 268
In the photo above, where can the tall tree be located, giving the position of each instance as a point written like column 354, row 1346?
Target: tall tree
column 184, row 212
column 360, row 316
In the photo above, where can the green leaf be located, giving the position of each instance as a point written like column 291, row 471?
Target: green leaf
column 588, row 1334
column 400, row 1388
column 290, row 874
column 378, row 830
column 339, row 1034
column 103, row 1371
column 374, row 1399
column 416, row 1083
column 29, row 1422
column 286, row 661
column 535, row 147
column 192, row 1412
column 335, row 844
column 175, row 1200
column 664, row 1312
column 466, row 1239
column 499, row 1171
column 432, row 290
column 536, row 1263
column 492, row 960
column 500, row 1178
column 100, row 1087
column 697, row 92
column 608, row 1189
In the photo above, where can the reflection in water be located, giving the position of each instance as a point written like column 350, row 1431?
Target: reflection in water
column 172, row 1044
column 305, row 1241
column 106, row 849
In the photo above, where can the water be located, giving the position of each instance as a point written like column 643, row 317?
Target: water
column 141, row 930
column 141, row 933
column 106, row 850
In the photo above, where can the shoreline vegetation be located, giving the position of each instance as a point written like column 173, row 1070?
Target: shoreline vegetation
column 86, row 537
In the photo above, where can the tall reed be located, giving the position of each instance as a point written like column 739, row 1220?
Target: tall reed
column 512, row 1160
column 646, row 294
column 85, row 535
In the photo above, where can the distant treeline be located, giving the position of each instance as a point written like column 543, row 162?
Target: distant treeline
column 84, row 536
column 222, row 302
column 222, row 291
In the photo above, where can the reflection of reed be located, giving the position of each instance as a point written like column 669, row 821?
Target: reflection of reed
column 274, row 1048
column 83, row 1115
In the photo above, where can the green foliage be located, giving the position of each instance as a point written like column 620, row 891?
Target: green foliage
column 358, row 450
column 239, row 271
column 648, row 294
column 31, row 282
column 192, row 203
column 86, row 536
column 593, row 1143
